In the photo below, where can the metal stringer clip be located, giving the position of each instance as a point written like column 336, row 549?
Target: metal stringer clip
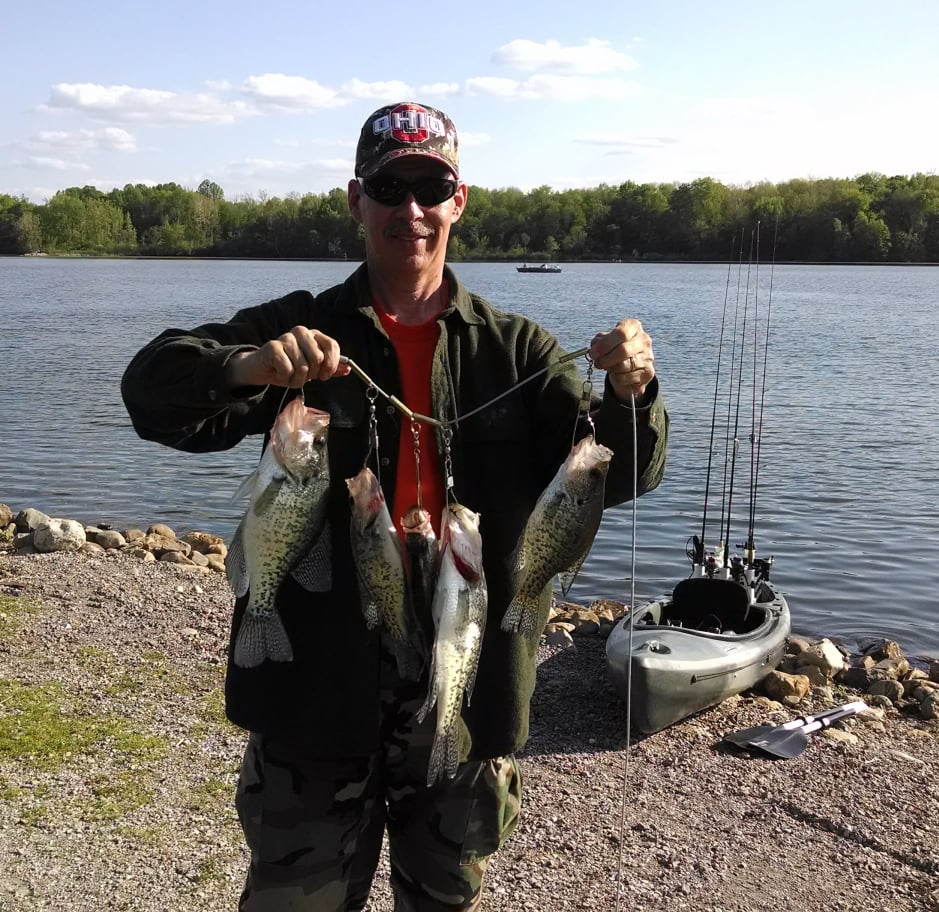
column 447, row 434
column 583, row 408
column 372, row 394
column 416, row 437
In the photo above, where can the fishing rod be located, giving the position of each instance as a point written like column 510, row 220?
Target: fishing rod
column 758, row 443
column 749, row 548
column 736, row 434
column 697, row 556
column 718, row 561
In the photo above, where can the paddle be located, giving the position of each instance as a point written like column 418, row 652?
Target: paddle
column 791, row 738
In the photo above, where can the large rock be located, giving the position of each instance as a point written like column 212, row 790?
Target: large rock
column 59, row 535
column 6, row 515
column 787, row 688
column 29, row 520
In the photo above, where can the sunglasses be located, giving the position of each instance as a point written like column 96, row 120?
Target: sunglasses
column 392, row 191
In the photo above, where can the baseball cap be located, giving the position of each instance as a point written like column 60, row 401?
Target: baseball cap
column 406, row 128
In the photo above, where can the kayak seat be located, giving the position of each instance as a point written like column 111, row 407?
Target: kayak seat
column 714, row 605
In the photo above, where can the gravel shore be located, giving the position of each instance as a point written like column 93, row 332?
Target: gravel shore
column 117, row 774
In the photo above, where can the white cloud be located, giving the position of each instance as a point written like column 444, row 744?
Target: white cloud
column 439, row 89
column 622, row 145
column 123, row 103
column 550, row 87
column 300, row 93
column 105, row 138
column 474, row 139
column 387, row 92
column 266, row 168
column 591, row 58
column 46, row 163
column 285, row 91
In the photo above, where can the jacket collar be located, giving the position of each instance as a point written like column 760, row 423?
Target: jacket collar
column 358, row 293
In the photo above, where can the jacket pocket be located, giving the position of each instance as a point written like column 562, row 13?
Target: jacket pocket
column 495, row 809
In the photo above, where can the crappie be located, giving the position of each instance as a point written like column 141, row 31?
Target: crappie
column 459, row 610
column 285, row 516
column 379, row 566
column 558, row 534
column 420, row 550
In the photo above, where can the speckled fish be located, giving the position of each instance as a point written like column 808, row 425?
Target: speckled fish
column 459, row 611
column 421, row 552
column 558, row 534
column 379, row 566
column 286, row 514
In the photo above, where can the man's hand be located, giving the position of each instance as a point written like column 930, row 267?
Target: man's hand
column 289, row 360
column 625, row 353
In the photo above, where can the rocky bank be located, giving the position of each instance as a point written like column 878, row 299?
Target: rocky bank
column 117, row 767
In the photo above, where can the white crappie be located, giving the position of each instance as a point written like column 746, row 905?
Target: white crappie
column 379, row 566
column 285, row 516
column 459, row 611
column 558, row 534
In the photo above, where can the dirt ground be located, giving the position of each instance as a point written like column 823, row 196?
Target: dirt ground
column 138, row 815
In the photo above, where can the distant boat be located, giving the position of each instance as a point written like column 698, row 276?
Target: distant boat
column 544, row 267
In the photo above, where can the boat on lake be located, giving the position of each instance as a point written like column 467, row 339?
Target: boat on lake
column 543, row 268
column 725, row 627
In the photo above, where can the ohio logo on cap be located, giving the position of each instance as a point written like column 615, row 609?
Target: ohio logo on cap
column 402, row 129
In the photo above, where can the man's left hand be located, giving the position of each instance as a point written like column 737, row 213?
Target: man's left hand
column 625, row 353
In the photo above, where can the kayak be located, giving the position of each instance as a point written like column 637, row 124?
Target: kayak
column 710, row 639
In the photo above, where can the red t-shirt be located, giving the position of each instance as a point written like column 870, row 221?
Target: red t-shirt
column 415, row 346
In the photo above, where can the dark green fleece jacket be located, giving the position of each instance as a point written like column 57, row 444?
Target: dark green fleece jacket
column 503, row 458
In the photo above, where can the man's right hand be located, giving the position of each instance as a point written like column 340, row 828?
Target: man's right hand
column 289, row 360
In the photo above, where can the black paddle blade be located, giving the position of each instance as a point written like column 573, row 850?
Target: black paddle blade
column 791, row 739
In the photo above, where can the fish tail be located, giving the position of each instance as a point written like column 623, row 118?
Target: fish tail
column 431, row 698
column 519, row 617
column 444, row 756
column 261, row 638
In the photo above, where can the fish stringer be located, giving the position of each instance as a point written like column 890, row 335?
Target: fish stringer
column 416, row 437
column 447, row 434
column 372, row 394
column 583, row 407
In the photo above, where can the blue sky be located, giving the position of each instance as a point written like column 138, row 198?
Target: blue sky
column 269, row 97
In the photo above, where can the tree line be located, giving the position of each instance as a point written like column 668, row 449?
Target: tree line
column 869, row 218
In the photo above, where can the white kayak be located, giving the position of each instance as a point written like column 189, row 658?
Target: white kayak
column 711, row 638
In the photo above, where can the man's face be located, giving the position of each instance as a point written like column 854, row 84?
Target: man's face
column 408, row 239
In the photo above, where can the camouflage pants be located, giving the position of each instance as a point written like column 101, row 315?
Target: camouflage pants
column 315, row 826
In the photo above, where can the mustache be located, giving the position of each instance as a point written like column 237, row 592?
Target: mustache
column 409, row 229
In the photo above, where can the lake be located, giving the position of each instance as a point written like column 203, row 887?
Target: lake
column 847, row 498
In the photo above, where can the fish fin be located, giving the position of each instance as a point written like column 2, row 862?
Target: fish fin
column 521, row 617
column 444, row 756
column 244, row 489
column 267, row 497
column 512, row 619
column 236, row 565
column 431, row 698
column 567, row 577
column 315, row 571
column 261, row 638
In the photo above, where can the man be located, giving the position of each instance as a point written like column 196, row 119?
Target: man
column 335, row 754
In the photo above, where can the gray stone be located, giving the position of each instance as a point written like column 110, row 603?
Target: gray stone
column 59, row 535
column 29, row 520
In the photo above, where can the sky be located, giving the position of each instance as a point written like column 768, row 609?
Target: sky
column 268, row 98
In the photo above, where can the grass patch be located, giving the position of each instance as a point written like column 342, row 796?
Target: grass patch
column 112, row 798
column 39, row 724
column 207, row 796
column 211, row 868
column 15, row 612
